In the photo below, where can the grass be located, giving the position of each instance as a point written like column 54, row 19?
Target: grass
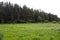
column 31, row 31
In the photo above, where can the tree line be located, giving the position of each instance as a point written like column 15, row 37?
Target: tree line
column 13, row 13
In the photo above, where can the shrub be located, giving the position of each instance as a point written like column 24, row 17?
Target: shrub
column 19, row 21
column 59, row 22
column 53, row 21
column 46, row 21
column 31, row 21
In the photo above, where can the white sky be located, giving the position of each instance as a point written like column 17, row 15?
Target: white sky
column 52, row 6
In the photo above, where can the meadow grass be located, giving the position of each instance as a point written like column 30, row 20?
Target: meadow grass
column 31, row 31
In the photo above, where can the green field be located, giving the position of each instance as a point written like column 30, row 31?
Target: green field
column 31, row 31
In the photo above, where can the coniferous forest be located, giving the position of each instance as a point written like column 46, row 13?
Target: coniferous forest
column 13, row 13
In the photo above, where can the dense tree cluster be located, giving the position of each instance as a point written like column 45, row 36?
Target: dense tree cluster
column 10, row 13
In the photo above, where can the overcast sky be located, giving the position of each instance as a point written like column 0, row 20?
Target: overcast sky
column 50, row 6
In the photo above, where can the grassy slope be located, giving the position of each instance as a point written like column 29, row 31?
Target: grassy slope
column 31, row 31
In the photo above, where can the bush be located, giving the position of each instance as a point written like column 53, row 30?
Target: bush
column 31, row 21
column 19, row 21
column 53, row 21
column 46, row 21
column 59, row 22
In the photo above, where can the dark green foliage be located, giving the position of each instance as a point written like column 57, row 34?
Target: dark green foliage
column 51, row 38
column 58, row 30
column 36, row 39
column 1, row 36
column 46, row 21
column 54, row 21
column 10, row 13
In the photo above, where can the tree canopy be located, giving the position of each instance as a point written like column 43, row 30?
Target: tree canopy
column 13, row 13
